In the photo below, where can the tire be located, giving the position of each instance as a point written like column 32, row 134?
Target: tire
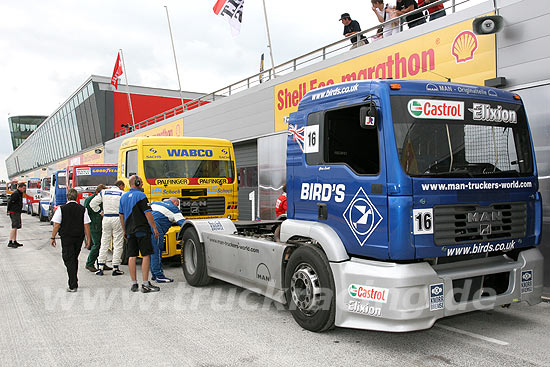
column 310, row 290
column 193, row 259
column 41, row 217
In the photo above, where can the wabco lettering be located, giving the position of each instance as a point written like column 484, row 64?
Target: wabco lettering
column 484, row 112
column 323, row 192
column 190, row 152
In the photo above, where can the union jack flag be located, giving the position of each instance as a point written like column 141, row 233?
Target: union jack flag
column 297, row 135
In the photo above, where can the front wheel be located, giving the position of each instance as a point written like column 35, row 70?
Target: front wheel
column 310, row 290
column 193, row 259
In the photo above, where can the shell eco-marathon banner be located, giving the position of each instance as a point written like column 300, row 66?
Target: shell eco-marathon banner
column 454, row 52
column 174, row 128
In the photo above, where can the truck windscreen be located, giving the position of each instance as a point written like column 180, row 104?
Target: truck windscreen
column 188, row 169
column 446, row 137
column 61, row 181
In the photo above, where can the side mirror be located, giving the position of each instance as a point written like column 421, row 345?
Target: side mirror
column 367, row 116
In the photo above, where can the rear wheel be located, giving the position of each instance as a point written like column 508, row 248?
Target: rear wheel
column 310, row 289
column 193, row 259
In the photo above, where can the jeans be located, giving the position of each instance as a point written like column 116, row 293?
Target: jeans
column 438, row 14
column 156, row 258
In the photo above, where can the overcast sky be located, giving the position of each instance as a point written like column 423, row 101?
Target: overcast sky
column 49, row 48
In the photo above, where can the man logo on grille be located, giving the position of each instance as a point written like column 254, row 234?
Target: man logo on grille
column 362, row 216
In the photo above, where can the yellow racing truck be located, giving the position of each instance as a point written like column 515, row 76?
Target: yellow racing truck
column 200, row 172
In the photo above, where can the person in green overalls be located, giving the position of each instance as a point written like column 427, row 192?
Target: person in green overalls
column 95, row 229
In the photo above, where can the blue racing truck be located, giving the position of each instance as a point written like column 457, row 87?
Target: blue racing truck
column 408, row 201
column 58, row 192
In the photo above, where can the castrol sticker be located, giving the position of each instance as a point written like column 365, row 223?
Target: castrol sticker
column 436, row 109
column 368, row 293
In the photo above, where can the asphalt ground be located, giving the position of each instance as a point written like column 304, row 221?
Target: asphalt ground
column 219, row 325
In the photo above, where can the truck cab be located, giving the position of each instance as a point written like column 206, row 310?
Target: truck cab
column 45, row 199
column 32, row 196
column 58, row 192
column 407, row 201
column 200, row 172
column 86, row 177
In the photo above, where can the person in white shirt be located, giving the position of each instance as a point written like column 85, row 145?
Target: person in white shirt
column 73, row 223
column 111, row 227
column 384, row 14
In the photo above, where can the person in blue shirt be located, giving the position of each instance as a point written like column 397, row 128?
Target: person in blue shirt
column 137, row 221
column 166, row 213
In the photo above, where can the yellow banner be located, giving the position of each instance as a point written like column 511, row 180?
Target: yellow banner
column 174, row 128
column 186, row 152
column 454, row 52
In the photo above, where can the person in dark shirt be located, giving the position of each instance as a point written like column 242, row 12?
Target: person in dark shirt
column 406, row 6
column 15, row 207
column 137, row 220
column 436, row 11
column 352, row 27
column 95, row 229
column 73, row 223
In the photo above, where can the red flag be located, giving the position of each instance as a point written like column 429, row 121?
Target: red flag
column 117, row 72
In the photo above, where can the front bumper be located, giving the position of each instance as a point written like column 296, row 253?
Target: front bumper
column 393, row 297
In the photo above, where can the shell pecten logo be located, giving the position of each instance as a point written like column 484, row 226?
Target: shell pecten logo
column 464, row 46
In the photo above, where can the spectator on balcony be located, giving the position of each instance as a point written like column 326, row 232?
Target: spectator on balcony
column 436, row 11
column 352, row 27
column 406, row 6
column 385, row 13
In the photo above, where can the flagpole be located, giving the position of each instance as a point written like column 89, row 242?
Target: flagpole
column 269, row 42
column 175, row 60
column 128, row 90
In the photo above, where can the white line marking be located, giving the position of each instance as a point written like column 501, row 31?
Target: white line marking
column 473, row 335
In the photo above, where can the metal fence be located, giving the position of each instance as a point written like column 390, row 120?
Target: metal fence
column 299, row 62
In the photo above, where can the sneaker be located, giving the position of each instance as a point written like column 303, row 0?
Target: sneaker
column 12, row 245
column 18, row 244
column 99, row 272
column 71, row 290
column 107, row 267
column 117, row 272
column 163, row 279
column 91, row 268
column 134, row 288
column 149, row 288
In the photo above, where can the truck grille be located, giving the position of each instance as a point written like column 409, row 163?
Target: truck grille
column 202, row 206
column 456, row 224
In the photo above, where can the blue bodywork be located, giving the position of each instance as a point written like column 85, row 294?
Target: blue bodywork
column 373, row 213
column 59, row 196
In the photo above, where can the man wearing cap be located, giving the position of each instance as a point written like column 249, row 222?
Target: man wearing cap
column 352, row 27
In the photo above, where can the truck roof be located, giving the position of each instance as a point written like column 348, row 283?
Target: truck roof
column 168, row 140
column 356, row 91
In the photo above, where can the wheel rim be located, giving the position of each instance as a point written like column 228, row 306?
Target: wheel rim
column 305, row 289
column 190, row 256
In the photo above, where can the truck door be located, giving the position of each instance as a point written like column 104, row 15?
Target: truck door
column 344, row 182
